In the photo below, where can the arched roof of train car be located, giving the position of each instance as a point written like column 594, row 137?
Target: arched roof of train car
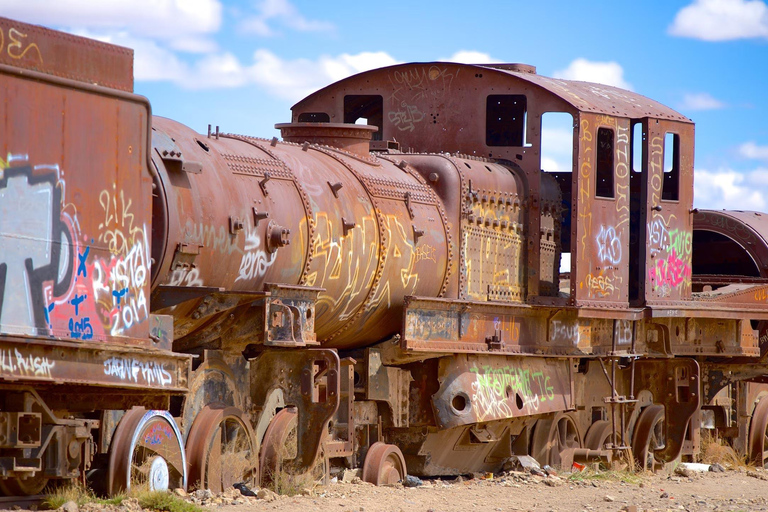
column 583, row 96
column 748, row 229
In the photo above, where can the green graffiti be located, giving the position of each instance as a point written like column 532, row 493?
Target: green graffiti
column 496, row 389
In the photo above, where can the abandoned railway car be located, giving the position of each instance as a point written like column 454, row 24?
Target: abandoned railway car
column 401, row 283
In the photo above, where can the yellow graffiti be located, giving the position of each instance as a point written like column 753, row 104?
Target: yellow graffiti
column 117, row 229
column 16, row 49
column 585, row 188
column 425, row 252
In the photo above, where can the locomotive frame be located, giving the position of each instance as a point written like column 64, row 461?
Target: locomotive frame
column 392, row 290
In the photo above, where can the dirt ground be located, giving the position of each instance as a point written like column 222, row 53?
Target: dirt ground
column 740, row 489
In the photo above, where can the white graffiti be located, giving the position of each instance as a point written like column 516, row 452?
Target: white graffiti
column 609, row 245
column 120, row 286
column 255, row 261
column 185, row 277
column 565, row 331
column 658, row 233
column 140, row 372
column 623, row 332
column 25, row 365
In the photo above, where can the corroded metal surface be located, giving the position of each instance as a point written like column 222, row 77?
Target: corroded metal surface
column 482, row 388
column 64, row 55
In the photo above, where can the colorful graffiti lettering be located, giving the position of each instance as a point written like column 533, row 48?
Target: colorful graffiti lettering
column 671, row 272
column 37, row 245
column 497, row 392
column 158, row 433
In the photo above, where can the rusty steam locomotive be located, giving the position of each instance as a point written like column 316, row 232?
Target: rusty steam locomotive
column 173, row 305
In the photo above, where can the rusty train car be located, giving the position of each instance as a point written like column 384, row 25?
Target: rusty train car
column 176, row 308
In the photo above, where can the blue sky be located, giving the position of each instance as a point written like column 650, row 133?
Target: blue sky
column 242, row 64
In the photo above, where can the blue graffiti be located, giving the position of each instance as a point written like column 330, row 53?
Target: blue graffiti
column 47, row 310
column 76, row 302
column 119, row 295
column 81, row 329
column 81, row 268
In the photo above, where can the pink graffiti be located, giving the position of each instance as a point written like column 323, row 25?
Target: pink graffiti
column 672, row 272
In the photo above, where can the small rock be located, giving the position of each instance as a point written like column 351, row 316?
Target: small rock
column 180, row 492
column 683, row 471
column 609, row 498
column 412, row 481
column 717, row 468
column 203, row 494
column 350, row 474
column 537, row 472
column 69, row 506
column 630, row 508
column 266, row 494
column 553, row 482
column 664, row 495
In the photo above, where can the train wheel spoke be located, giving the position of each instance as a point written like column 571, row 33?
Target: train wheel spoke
column 221, row 449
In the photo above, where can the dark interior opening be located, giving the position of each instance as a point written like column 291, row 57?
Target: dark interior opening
column 369, row 107
column 505, row 120
column 670, row 189
column 716, row 254
column 604, row 171
column 314, row 117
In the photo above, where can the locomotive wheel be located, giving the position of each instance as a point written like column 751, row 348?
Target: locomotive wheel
column 758, row 435
column 277, row 445
column 17, row 486
column 648, row 436
column 553, row 439
column 221, row 449
column 598, row 435
column 146, row 450
column 384, row 464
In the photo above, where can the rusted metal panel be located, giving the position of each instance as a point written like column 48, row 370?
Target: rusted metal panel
column 680, row 393
column 601, row 223
column 747, row 229
column 668, row 211
column 74, row 211
column 481, row 388
column 64, row 55
column 442, row 326
column 80, row 363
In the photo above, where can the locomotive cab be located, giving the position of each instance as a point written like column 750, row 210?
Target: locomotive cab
column 626, row 192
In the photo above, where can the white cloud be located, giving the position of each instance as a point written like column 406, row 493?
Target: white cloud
column 284, row 13
column 294, row 79
column 471, row 57
column 184, row 25
column 729, row 189
column 722, row 20
column 700, row 101
column 608, row 73
column 753, row 151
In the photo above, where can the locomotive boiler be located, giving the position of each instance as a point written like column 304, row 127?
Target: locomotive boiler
column 382, row 288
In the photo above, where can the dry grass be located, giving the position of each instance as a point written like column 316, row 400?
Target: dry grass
column 239, row 463
column 716, row 451
column 283, row 480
